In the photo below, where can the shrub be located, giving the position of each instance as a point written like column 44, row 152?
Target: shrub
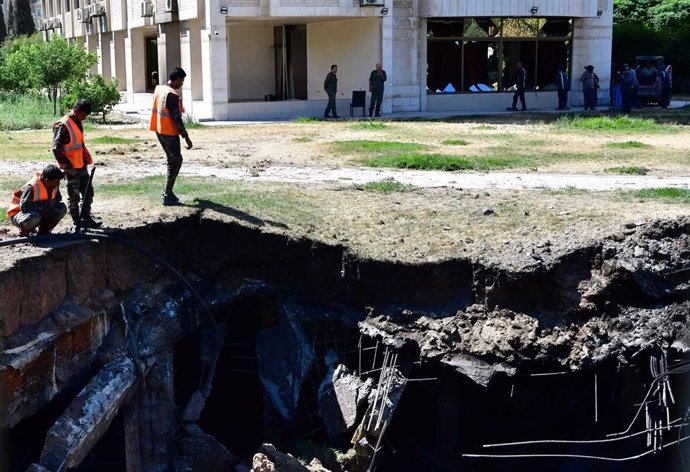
column 103, row 96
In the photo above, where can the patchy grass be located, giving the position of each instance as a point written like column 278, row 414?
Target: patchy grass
column 25, row 112
column 446, row 162
column 386, row 186
column 628, row 145
column 113, row 140
column 229, row 198
column 370, row 125
column 306, row 119
column 191, row 122
column 620, row 124
column 26, row 146
column 303, row 139
column 375, row 147
column 630, row 170
column 485, row 128
column 455, row 142
column 3, row 214
column 664, row 194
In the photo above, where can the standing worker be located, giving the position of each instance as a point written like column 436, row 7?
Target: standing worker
column 38, row 204
column 166, row 121
column 520, row 82
column 628, row 82
column 590, row 84
column 330, row 85
column 562, row 85
column 73, row 157
column 376, row 80
column 665, row 99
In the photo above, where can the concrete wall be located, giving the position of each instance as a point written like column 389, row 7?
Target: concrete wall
column 592, row 39
column 489, row 101
column 352, row 44
column 251, row 61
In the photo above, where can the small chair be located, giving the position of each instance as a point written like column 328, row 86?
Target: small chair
column 359, row 99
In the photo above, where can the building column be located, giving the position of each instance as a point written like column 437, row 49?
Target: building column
column 592, row 39
column 387, row 58
column 168, row 48
column 135, row 63
column 422, row 63
column 214, row 63
column 190, row 59
column 117, row 59
column 91, row 45
column 404, row 37
column 104, row 62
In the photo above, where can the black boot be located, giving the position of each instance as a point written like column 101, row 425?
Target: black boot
column 88, row 222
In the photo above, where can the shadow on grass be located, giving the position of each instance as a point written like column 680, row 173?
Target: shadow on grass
column 238, row 214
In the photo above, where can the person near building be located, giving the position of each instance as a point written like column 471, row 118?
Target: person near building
column 562, row 85
column 520, row 83
column 590, row 84
column 665, row 99
column 330, row 85
column 628, row 84
column 73, row 157
column 376, row 80
column 166, row 121
column 38, row 204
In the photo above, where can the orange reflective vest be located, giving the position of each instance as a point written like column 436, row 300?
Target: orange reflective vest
column 75, row 151
column 41, row 193
column 161, row 119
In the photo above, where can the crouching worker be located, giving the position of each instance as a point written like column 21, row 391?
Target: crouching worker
column 73, row 157
column 38, row 204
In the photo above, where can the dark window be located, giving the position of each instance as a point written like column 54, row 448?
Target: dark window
column 67, row 5
column 481, row 54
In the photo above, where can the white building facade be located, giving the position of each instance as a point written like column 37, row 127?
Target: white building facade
column 252, row 59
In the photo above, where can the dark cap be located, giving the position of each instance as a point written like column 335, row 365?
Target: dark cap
column 589, row 67
column 51, row 172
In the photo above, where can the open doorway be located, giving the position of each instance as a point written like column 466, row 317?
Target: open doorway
column 152, row 74
column 290, row 52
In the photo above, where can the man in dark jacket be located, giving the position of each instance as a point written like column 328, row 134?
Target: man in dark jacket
column 628, row 82
column 520, row 81
column 376, row 80
column 38, row 204
column 330, row 85
column 562, row 85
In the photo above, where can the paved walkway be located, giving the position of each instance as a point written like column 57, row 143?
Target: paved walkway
column 498, row 180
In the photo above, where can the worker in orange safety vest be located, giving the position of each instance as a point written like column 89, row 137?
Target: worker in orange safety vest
column 73, row 157
column 38, row 204
column 166, row 121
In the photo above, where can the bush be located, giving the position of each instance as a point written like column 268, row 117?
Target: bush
column 103, row 96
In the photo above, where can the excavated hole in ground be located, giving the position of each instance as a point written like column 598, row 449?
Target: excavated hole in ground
column 256, row 282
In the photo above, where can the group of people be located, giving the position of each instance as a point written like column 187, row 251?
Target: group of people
column 377, row 78
column 37, row 206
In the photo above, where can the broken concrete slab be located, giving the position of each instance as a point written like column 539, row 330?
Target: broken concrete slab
column 476, row 369
column 88, row 417
column 338, row 397
column 285, row 358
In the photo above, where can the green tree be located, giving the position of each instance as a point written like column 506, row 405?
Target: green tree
column 23, row 18
column 56, row 65
column 3, row 27
column 103, row 96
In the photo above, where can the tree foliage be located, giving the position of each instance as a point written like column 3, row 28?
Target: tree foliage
column 23, row 18
column 654, row 27
column 103, row 96
column 43, row 66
